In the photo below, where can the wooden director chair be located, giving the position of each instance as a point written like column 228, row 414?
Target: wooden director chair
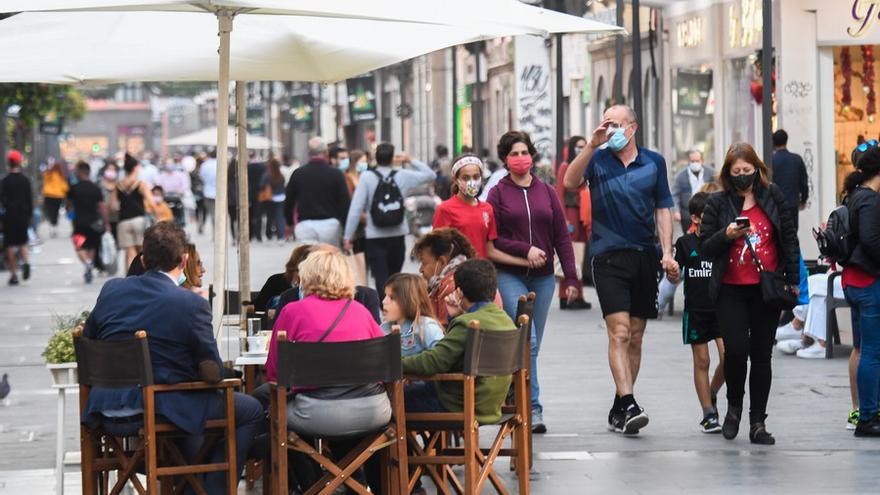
column 126, row 364
column 487, row 354
column 525, row 306
column 327, row 364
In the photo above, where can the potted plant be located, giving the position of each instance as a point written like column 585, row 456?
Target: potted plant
column 59, row 352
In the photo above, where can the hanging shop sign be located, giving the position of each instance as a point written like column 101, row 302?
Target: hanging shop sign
column 302, row 109
column 689, row 33
column 745, row 21
column 361, row 98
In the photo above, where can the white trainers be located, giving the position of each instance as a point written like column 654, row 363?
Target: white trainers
column 815, row 351
column 788, row 332
column 789, row 346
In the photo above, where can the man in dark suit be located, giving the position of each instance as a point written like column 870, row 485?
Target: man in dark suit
column 790, row 174
column 688, row 182
column 182, row 349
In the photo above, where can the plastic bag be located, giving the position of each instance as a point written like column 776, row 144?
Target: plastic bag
column 108, row 253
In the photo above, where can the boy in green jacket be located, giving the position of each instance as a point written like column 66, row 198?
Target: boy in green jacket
column 476, row 283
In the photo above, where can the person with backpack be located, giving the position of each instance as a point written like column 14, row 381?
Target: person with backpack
column 861, row 286
column 379, row 194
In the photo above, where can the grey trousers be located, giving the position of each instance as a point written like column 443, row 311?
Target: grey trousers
column 338, row 418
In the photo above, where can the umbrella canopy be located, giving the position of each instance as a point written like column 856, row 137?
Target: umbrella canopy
column 108, row 47
column 511, row 14
column 208, row 137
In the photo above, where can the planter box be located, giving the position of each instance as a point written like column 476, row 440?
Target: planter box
column 63, row 374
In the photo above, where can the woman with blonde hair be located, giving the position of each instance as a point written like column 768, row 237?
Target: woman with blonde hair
column 327, row 313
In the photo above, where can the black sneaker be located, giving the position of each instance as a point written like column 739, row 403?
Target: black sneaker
column 26, row 271
column 88, row 276
column 759, row 435
column 616, row 419
column 13, row 281
column 730, row 429
column 710, row 424
column 869, row 428
column 635, row 418
column 575, row 305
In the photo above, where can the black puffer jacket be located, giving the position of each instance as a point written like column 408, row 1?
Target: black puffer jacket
column 864, row 217
column 719, row 214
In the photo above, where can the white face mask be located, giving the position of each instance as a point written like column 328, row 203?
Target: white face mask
column 695, row 167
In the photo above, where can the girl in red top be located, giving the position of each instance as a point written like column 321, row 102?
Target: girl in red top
column 748, row 325
column 464, row 211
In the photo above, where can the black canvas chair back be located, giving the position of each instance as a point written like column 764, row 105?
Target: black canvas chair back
column 495, row 353
column 114, row 364
column 233, row 300
column 328, row 364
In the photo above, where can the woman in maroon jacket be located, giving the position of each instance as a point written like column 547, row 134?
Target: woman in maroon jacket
column 531, row 224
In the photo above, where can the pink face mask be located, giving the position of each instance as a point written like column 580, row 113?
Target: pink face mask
column 519, row 165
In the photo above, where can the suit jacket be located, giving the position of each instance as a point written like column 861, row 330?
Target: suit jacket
column 790, row 174
column 681, row 188
column 179, row 333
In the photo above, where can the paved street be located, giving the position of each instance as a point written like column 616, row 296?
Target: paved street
column 809, row 402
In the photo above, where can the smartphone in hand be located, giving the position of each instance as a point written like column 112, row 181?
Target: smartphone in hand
column 743, row 222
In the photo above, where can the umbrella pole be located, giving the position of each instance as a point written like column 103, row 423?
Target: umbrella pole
column 244, row 249
column 224, row 19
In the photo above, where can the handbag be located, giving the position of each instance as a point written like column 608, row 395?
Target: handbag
column 265, row 194
column 775, row 291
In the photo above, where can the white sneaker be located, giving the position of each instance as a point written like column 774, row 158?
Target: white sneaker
column 789, row 346
column 788, row 332
column 815, row 351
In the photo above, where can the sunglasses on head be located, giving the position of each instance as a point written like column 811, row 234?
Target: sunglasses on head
column 871, row 143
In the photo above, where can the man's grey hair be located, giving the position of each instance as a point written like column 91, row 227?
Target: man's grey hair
column 317, row 146
column 694, row 150
column 630, row 113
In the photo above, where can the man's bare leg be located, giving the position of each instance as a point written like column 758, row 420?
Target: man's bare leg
column 618, row 325
column 636, row 333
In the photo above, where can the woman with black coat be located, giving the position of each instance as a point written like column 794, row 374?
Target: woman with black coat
column 747, row 324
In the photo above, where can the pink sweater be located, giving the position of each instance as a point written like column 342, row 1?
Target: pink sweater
column 306, row 320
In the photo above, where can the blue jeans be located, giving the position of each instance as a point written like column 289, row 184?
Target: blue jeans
column 421, row 397
column 867, row 302
column 511, row 287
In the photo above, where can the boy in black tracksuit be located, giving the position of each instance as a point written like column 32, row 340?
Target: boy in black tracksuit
column 699, row 323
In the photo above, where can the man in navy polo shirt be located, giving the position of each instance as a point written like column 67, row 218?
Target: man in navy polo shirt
column 631, row 204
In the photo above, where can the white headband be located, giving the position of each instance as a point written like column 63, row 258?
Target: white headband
column 465, row 161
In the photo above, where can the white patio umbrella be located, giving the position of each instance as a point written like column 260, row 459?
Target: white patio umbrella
column 490, row 17
column 208, row 137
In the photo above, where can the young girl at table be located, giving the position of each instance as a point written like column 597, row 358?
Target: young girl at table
column 407, row 304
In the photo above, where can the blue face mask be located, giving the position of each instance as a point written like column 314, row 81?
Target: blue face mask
column 362, row 167
column 181, row 279
column 343, row 164
column 618, row 140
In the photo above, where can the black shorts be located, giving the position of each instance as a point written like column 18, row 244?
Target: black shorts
column 15, row 231
column 699, row 327
column 92, row 238
column 626, row 282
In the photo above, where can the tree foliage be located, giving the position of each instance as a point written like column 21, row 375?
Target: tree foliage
column 38, row 101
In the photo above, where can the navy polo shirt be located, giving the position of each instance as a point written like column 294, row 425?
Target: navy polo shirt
column 625, row 200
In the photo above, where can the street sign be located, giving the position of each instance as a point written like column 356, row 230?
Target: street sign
column 51, row 127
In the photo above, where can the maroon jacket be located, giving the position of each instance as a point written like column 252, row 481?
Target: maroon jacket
column 532, row 216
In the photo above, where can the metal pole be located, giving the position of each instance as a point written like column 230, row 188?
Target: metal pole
column 477, row 113
column 767, row 93
column 636, row 79
column 454, row 146
column 560, row 114
column 617, row 89
column 318, row 108
column 224, row 19
column 244, row 249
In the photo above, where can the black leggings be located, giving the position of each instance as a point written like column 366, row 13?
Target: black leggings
column 52, row 206
column 748, row 327
column 385, row 257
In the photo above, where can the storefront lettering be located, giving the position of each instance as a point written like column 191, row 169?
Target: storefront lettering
column 690, row 33
column 746, row 23
column 864, row 13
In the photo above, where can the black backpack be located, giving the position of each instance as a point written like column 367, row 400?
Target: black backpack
column 836, row 241
column 386, row 209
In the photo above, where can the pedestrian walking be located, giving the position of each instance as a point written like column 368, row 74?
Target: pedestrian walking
column 747, row 228
column 379, row 194
column 631, row 206
column 135, row 200
column 319, row 196
column 17, row 200
column 90, row 218
column 108, row 183
column 55, row 187
column 197, row 186
column 861, row 285
column 687, row 183
column 339, row 158
column 790, row 174
column 571, row 203
column 700, row 321
column 208, row 174
column 532, row 228
column 256, row 170
column 273, row 184
column 175, row 184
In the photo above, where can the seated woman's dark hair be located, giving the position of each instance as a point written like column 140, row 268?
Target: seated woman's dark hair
column 867, row 167
column 164, row 246
column 445, row 241
column 130, row 163
column 296, row 257
column 477, row 280
column 136, row 268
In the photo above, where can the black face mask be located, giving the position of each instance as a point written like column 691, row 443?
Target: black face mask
column 743, row 182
